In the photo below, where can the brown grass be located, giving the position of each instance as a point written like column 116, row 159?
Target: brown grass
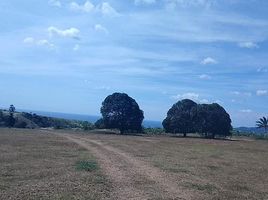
column 37, row 165
column 205, row 169
column 40, row 165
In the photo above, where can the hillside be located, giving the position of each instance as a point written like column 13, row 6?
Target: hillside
column 33, row 120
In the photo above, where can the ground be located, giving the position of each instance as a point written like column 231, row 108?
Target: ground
column 44, row 164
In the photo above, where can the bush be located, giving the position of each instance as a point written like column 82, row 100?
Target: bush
column 21, row 124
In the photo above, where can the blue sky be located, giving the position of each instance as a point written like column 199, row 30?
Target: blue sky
column 68, row 55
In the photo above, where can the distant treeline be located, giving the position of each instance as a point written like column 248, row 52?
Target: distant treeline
column 11, row 118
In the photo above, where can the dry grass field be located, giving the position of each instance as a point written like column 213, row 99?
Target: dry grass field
column 42, row 164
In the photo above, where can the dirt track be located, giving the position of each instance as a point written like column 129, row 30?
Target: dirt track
column 131, row 178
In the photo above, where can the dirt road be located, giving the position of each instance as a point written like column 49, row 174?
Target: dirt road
column 131, row 177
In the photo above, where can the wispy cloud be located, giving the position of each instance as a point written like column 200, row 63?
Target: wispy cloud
column 204, row 77
column 100, row 28
column 246, row 94
column 55, row 3
column 248, row 45
column 148, row 2
column 190, row 3
column 41, row 42
column 71, row 32
column 86, row 7
column 246, row 111
column 190, row 95
column 29, row 40
column 104, row 8
column 261, row 92
column 208, row 61
column 76, row 47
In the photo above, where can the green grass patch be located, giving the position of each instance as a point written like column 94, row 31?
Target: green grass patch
column 89, row 166
column 201, row 187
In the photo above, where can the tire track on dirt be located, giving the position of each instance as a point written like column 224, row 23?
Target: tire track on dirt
column 131, row 178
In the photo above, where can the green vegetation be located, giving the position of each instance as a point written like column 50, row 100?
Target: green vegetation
column 122, row 112
column 11, row 118
column 87, row 165
column 262, row 123
column 153, row 131
column 206, row 119
column 251, row 135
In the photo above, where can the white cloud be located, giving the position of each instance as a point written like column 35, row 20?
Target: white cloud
column 71, row 32
column 209, row 61
column 204, row 101
column 261, row 92
column 138, row 2
column 246, row 111
column 248, row 45
column 237, row 93
column 189, row 95
column 101, row 28
column 219, row 101
column 205, row 77
column 188, row 3
column 55, row 3
column 104, row 8
column 76, row 47
column 29, row 40
column 42, row 42
column 45, row 43
column 86, row 7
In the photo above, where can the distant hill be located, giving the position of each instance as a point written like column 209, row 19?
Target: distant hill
column 33, row 120
column 80, row 117
column 89, row 118
column 253, row 130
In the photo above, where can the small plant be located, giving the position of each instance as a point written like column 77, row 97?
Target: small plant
column 86, row 165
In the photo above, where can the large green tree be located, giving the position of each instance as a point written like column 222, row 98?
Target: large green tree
column 262, row 123
column 122, row 112
column 180, row 117
column 207, row 119
column 212, row 120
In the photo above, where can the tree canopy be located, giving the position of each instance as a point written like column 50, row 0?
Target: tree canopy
column 187, row 116
column 122, row 112
column 180, row 117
